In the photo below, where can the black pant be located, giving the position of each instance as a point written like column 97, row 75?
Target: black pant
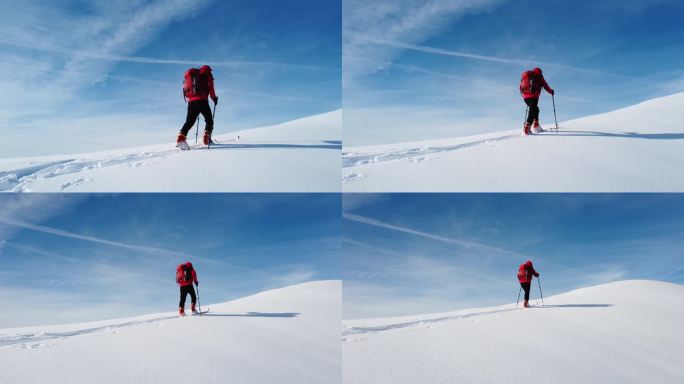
column 184, row 290
column 194, row 109
column 534, row 110
column 526, row 288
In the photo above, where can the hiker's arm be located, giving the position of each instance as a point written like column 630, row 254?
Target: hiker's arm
column 546, row 86
column 212, row 92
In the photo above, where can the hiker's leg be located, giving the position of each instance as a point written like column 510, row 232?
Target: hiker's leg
column 526, row 288
column 191, row 117
column 183, row 295
column 205, row 109
column 534, row 110
column 193, row 296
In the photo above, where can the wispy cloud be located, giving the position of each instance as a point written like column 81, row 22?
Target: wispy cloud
column 123, row 245
column 32, row 208
column 83, row 55
column 465, row 55
column 371, row 247
column 71, row 235
column 410, row 21
column 671, row 273
column 35, row 250
column 67, row 48
column 449, row 240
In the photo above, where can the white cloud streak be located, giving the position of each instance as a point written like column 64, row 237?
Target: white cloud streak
column 151, row 60
column 449, row 240
column 76, row 50
column 133, row 247
column 71, row 235
column 410, row 21
column 472, row 56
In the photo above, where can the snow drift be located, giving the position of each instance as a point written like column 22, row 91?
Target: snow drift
column 623, row 332
column 635, row 149
column 287, row 335
column 298, row 156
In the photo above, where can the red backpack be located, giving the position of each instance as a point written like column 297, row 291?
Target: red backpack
column 528, row 82
column 194, row 84
column 522, row 273
column 183, row 273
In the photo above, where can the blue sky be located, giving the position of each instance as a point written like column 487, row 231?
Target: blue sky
column 417, row 69
column 425, row 253
column 88, row 75
column 72, row 258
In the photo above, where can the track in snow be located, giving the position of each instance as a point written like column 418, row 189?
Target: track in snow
column 413, row 154
column 353, row 330
column 29, row 340
column 21, row 179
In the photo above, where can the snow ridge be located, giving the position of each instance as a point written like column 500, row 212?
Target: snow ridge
column 417, row 152
column 297, row 156
column 359, row 329
column 634, row 149
column 289, row 335
column 31, row 339
column 620, row 332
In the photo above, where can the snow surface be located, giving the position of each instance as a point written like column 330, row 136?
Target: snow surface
column 635, row 149
column 287, row 335
column 298, row 156
column 623, row 332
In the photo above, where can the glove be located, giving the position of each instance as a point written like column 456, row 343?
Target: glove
column 552, row 92
column 215, row 98
column 197, row 284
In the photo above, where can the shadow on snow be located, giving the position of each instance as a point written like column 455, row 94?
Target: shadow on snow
column 254, row 314
column 631, row 135
column 325, row 145
column 576, row 306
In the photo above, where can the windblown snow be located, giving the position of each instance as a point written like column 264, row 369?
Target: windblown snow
column 298, row 156
column 623, row 332
column 287, row 335
column 635, row 149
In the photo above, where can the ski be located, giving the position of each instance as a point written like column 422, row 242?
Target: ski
column 183, row 146
column 216, row 142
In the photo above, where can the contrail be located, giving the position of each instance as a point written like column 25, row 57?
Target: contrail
column 450, row 240
column 472, row 56
column 71, row 235
column 152, row 60
column 134, row 247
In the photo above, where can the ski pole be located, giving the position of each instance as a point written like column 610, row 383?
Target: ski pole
column 213, row 113
column 517, row 301
column 197, row 130
column 527, row 111
column 540, row 291
column 199, row 305
column 553, row 99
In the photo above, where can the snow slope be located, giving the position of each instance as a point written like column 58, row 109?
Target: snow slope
column 635, row 149
column 298, row 156
column 287, row 335
column 623, row 332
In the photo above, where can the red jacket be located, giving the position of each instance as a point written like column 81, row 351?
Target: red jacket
column 535, row 92
column 184, row 283
column 205, row 72
column 526, row 271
